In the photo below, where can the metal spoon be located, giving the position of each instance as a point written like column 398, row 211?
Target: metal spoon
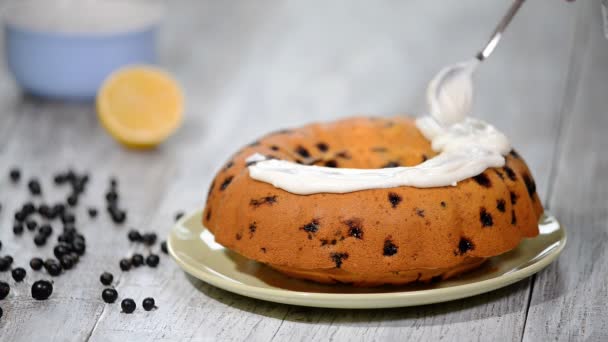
column 502, row 25
column 450, row 92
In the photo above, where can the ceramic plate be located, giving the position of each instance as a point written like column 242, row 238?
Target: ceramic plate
column 195, row 250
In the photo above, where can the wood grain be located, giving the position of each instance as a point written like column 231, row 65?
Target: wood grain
column 251, row 67
column 569, row 300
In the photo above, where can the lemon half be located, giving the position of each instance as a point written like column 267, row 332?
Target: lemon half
column 140, row 106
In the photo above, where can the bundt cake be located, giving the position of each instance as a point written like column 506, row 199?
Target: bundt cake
column 370, row 237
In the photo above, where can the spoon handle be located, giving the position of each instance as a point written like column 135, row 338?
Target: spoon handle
column 495, row 38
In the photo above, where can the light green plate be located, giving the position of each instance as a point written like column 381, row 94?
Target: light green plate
column 195, row 250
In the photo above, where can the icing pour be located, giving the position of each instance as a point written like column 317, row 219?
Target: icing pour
column 466, row 147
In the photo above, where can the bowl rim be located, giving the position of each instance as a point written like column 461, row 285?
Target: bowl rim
column 151, row 14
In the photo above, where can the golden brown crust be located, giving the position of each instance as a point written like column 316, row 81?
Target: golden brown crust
column 370, row 232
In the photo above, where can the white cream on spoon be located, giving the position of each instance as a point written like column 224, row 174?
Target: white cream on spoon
column 450, row 93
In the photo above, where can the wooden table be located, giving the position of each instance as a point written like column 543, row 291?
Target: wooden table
column 250, row 67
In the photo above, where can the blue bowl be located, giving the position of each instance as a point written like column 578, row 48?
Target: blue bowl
column 70, row 61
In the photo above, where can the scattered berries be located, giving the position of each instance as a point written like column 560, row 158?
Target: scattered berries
column 70, row 243
column 65, row 237
column 4, row 290
column 28, row 208
column 53, row 267
column 152, row 260
column 42, row 289
column 5, row 263
column 112, row 196
column 18, row 274
column 20, row 216
column 66, row 262
column 75, row 258
column 92, row 212
column 137, row 260
column 134, row 235
column 68, row 218
column 31, row 225
column 110, row 295
column 128, row 305
column 36, row 264
column 149, row 239
column 40, row 240
column 18, row 228
column 34, row 186
column 148, row 304
column 45, row 211
column 8, row 259
column 15, row 175
column 106, row 278
column 58, row 210
column 118, row 216
column 79, row 246
column 45, row 230
column 61, row 250
column 72, row 200
column 125, row 264
column 54, row 270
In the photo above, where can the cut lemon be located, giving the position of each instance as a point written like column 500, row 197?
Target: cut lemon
column 140, row 106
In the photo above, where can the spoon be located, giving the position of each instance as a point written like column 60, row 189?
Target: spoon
column 450, row 92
